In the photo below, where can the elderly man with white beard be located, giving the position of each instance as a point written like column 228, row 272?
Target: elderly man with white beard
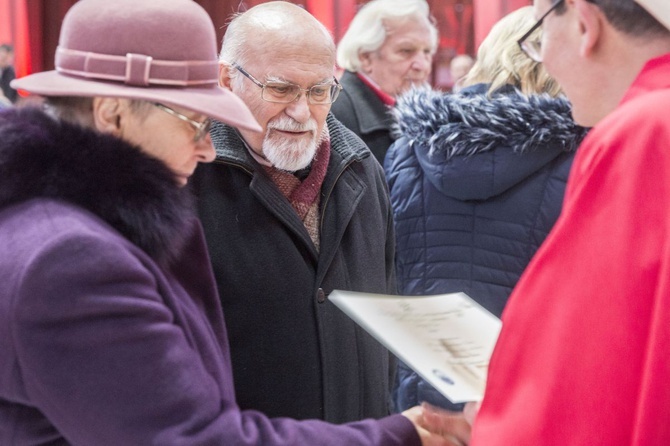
column 290, row 214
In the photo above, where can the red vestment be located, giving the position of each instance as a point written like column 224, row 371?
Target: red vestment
column 584, row 354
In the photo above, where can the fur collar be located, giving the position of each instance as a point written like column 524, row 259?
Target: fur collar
column 471, row 122
column 134, row 193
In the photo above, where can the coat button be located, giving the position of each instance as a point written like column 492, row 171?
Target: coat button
column 320, row 296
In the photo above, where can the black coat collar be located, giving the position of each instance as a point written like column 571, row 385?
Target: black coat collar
column 373, row 115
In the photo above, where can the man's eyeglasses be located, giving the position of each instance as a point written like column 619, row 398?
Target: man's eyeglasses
column 285, row 93
column 533, row 47
column 201, row 128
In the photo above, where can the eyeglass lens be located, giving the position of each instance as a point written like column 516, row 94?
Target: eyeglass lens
column 531, row 43
column 201, row 128
column 533, row 48
column 285, row 93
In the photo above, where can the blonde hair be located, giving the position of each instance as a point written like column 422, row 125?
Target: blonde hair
column 501, row 62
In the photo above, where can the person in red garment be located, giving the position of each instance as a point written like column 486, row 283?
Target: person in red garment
column 582, row 357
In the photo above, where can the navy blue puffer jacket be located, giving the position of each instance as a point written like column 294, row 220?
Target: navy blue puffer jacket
column 476, row 184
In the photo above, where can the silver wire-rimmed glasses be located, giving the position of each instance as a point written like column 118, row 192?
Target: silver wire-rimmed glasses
column 285, row 92
column 201, row 128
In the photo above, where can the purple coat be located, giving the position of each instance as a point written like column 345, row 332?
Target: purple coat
column 111, row 331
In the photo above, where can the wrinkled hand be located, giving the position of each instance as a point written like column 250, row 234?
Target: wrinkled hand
column 437, row 427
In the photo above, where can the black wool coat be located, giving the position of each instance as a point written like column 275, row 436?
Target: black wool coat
column 294, row 353
column 362, row 112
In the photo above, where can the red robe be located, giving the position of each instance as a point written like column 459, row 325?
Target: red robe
column 584, row 354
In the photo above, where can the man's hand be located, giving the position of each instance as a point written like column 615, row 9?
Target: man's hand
column 437, row 427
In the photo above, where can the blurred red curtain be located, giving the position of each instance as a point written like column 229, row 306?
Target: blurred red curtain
column 334, row 14
column 488, row 12
column 14, row 30
column 32, row 26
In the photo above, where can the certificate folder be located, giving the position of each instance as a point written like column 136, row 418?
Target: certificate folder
column 447, row 339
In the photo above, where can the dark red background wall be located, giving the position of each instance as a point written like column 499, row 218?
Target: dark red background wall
column 33, row 25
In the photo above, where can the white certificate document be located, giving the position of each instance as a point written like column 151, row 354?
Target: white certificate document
column 447, row 339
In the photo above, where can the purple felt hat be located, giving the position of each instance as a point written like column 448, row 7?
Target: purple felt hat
column 154, row 50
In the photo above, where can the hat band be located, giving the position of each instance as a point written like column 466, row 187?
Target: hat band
column 136, row 69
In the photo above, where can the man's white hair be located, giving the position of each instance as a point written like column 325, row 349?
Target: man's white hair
column 278, row 17
column 367, row 31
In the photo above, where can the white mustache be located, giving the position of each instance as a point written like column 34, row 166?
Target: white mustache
column 289, row 125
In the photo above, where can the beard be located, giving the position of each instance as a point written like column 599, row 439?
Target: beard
column 290, row 154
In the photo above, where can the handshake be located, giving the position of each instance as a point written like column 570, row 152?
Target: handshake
column 438, row 427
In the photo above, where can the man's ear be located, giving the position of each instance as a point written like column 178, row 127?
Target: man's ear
column 591, row 22
column 107, row 115
column 366, row 61
column 224, row 75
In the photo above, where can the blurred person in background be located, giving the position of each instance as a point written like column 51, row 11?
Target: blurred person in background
column 4, row 102
column 7, row 73
column 459, row 67
column 387, row 49
column 477, row 180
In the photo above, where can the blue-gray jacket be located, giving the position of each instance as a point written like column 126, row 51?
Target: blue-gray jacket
column 476, row 184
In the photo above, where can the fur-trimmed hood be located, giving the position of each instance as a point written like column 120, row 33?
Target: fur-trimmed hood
column 527, row 132
column 41, row 157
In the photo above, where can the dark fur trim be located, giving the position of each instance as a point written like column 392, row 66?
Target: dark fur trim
column 465, row 124
column 134, row 193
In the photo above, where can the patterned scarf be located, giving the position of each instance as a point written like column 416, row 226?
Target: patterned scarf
column 305, row 195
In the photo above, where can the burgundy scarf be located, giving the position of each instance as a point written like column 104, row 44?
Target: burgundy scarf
column 305, row 196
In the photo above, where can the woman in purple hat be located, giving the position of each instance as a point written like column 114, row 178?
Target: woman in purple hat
column 111, row 331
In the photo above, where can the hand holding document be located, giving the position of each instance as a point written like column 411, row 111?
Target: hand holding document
column 439, row 427
column 447, row 339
